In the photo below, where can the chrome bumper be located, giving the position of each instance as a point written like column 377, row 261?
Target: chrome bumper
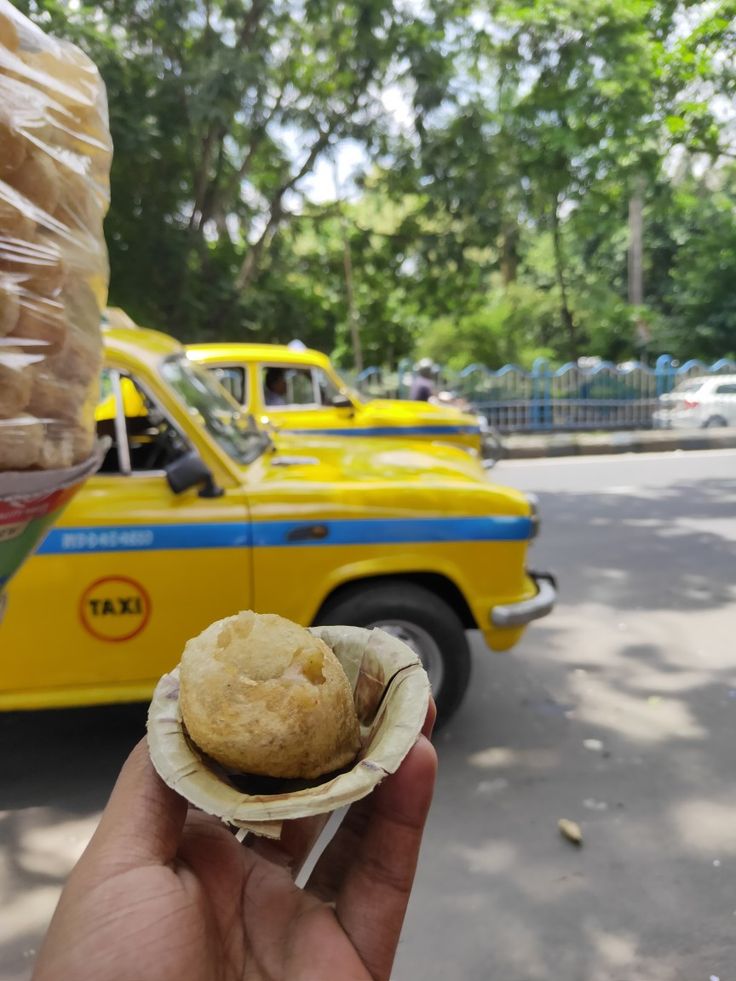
column 517, row 614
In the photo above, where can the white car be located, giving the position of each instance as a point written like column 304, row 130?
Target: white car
column 698, row 403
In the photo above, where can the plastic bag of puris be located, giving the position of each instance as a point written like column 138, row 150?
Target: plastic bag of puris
column 55, row 153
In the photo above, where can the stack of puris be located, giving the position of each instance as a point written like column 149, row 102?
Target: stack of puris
column 55, row 154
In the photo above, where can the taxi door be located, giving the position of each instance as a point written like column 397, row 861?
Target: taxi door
column 130, row 572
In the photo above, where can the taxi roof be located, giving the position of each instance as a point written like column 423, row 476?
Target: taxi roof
column 238, row 352
column 121, row 335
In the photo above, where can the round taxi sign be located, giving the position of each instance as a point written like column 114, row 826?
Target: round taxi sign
column 114, row 608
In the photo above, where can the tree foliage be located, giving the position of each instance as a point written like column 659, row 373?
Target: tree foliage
column 489, row 220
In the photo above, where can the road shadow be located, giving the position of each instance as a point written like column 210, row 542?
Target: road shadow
column 50, row 755
column 663, row 548
column 638, row 749
column 56, row 772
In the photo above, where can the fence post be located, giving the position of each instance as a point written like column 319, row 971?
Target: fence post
column 404, row 365
column 663, row 373
column 539, row 409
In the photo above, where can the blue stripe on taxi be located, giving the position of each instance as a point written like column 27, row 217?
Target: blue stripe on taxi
column 269, row 534
column 388, row 431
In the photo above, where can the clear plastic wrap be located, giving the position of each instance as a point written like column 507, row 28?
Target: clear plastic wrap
column 55, row 154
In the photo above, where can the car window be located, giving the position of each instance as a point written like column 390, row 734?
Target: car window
column 142, row 439
column 690, row 385
column 235, row 381
column 285, row 386
column 726, row 390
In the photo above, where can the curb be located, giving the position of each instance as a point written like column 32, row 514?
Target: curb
column 597, row 444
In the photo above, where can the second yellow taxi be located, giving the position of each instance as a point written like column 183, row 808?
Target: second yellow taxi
column 298, row 391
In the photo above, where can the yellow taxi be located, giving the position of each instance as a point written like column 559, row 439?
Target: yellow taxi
column 298, row 390
column 197, row 513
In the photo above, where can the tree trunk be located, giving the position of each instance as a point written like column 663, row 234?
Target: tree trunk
column 202, row 177
column 509, row 253
column 636, row 262
column 350, row 297
column 636, row 251
column 249, row 268
column 567, row 317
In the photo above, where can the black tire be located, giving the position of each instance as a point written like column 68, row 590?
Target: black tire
column 368, row 605
column 714, row 422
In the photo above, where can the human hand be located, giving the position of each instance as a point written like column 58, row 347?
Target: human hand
column 163, row 893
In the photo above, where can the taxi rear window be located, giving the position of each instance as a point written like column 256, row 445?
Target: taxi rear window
column 234, row 380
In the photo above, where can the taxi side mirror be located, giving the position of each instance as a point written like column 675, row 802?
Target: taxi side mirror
column 190, row 470
column 341, row 401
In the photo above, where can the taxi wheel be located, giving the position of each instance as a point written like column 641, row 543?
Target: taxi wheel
column 424, row 622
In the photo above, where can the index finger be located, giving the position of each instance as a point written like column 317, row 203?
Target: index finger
column 371, row 903
column 430, row 718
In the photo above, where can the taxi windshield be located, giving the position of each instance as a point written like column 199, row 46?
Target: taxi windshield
column 342, row 388
column 204, row 398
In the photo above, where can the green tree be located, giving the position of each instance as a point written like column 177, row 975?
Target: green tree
column 694, row 249
column 565, row 106
column 219, row 109
column 492, row 219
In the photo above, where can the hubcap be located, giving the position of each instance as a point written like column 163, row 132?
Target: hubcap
column 422, row 643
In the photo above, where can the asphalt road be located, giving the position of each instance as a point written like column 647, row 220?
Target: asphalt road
column 618, row 712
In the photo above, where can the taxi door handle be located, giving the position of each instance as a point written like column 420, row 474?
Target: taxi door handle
column 307, row 533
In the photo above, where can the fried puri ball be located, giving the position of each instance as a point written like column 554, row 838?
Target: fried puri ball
column 83, row 441
column 38, row 180
column 52, row 397
column 15, row 223
column 74, row 111
column 21, row 440
column 15, row 382
column 57, row 447
column 9, row 307
column 13, row 145
column 82, row 210
column 43, row 320
column 37, row 266
column 80, row 357
column 71, row 78
column 79, row 251
column 8, row 34
column 262, row 695
column 82, row 306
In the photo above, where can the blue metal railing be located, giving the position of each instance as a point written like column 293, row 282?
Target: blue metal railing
column 587, row 394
